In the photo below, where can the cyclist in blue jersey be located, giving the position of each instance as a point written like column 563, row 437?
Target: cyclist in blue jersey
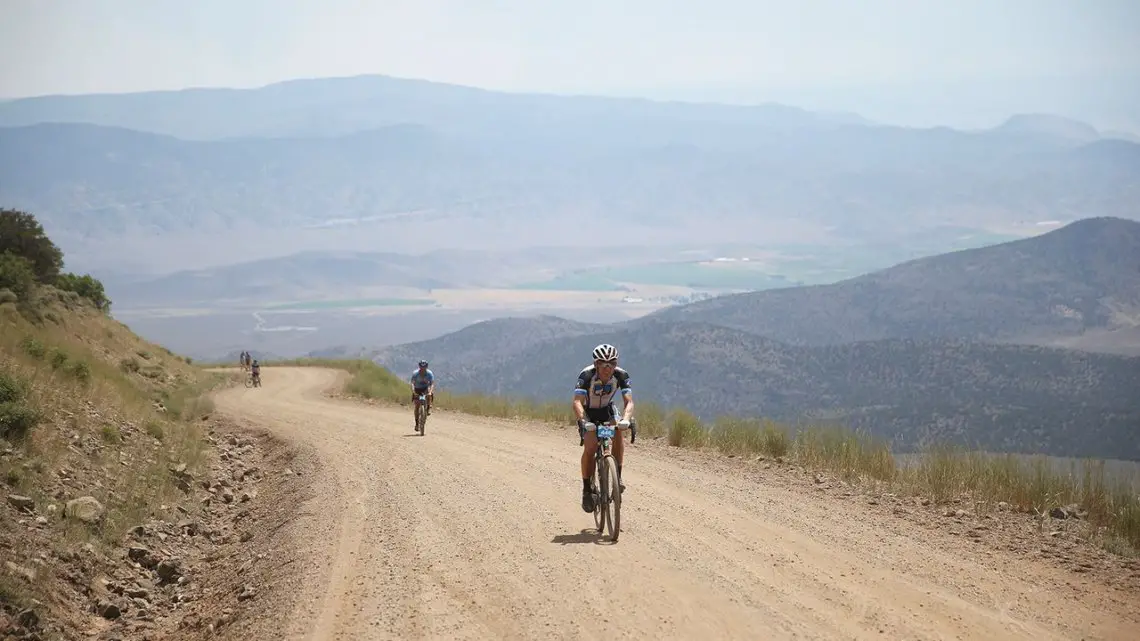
column 423, row 381
column 594, row 395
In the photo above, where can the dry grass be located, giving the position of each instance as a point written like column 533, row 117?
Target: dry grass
column 1110, row 501
column 69, row 406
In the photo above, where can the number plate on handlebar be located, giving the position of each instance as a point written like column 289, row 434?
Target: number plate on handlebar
column 605, row 431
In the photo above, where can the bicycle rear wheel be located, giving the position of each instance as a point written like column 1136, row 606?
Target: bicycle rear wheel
column 613, row 498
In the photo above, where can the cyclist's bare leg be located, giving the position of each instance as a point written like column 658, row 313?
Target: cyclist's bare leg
column 590, row 447
column 618, row 447
column 619, row 454
column 588, row 454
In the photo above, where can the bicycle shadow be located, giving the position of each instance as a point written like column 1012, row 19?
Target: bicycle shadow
column 588, row 535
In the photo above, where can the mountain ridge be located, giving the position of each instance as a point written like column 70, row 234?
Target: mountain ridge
column 913, row 393
column 944, row 368
column 1083, row 276
column 168, row 200
column 285, row 107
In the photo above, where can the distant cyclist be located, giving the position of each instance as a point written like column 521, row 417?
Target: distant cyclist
column 423, row 381
column 255, row 371
column 594, row 395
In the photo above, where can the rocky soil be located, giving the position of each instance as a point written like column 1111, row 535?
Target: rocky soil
column 197, row 571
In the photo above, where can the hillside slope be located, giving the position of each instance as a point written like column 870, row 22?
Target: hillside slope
column 996, row 397
column 1080, row 280
column 121, row 487
column 91, row 418
column 484, row 346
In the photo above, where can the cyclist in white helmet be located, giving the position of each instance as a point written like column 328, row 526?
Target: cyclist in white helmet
column 594, row 395
column 423, row 382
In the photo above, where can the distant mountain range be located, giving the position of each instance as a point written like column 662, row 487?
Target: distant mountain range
column 337, row 106
column 320, row 107
column 911, row 354
column 1082, row 280
column 281, row 279
column 383, row 165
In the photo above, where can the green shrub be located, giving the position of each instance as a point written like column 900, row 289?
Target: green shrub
column 81, row 371
column 17, row 275
column 111, row 433
column 155, row 429
column 58, row 358
column 86, row 286
column 12, row 389
column 22, row 235
column 17, row 418
column 33, row 347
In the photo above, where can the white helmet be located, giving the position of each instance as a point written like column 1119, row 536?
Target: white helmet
column 605, row 352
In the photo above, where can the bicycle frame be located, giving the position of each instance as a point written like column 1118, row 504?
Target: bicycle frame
column 611, row 496
column 421, row 413
column 605, row 444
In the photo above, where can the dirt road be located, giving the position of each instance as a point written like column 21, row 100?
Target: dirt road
column 474, row 532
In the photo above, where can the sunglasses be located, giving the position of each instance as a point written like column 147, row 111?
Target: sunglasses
column 610, row 364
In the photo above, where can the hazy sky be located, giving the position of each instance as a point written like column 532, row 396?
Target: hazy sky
column 742, row 50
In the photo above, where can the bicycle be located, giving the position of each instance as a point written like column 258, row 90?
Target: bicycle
column 607, row 501
column 421, row 414
column 253, row 380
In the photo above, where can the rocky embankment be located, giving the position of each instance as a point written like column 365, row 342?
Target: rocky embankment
column 196, row 569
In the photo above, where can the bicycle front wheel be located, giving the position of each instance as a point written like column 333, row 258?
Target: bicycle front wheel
column 597, row 485
column 612, row 498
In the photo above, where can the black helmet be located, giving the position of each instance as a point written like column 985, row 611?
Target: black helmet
column 423, row 363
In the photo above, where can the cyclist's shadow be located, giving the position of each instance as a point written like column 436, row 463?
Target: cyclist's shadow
column 588, row 535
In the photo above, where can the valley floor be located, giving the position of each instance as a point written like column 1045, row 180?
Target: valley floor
column 474, row 531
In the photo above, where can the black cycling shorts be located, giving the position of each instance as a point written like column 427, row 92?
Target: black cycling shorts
column 599, row 415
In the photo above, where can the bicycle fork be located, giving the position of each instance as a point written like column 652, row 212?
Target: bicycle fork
column 600, row 454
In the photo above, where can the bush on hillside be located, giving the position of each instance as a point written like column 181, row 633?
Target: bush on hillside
column 22, row 235
column 28, row 257
column 86, row 286
column 16, row 275
column 16, row 417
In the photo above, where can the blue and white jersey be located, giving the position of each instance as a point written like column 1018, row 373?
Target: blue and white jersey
column 598, row 394
column 422, row 380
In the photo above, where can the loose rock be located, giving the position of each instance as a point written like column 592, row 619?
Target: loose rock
column 169, row 570
column 19, row 502
column 108, row 610
column 84, row 508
